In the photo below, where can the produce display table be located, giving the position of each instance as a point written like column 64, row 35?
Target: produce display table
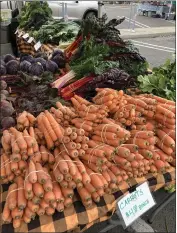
column 80, row 218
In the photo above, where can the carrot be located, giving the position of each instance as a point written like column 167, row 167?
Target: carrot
column 48, row 186
column 6, row 147
column 171, row 133
column 49, row 211
column 112, row 176
column 31, row 118
column 165, row 138
column 22, row 165
column 36, row 200
column 78, row 146
column 49, row 128
column 33, row 207
column 40, row 211
column 61, row 164
column 85, row 178
column 146, row 153
column 44, row 154
column 132, row 147
column 11, row 177
column 156, row 156
column 81, row 152
column 27, row 185
column 49, row 197
column 49, row 141
column 64, row 184
column 38, row 190
column 41, row 175
column 134, row 164
column 106, row 176
column 54, row 124
column 105, row 183
column 123, row 152
column 121, row 161
column 96, row 151
column 16, row 223
column 20, row 139
column 44, row 204
column 6, row 212
column 160, row 165
column 14, row 145
column 164, row 111
column 84, row 194
column 60, row 207
column 29, row 214
column 95, row 197
column 68, row 202
column 90, row 188
column 29, row 140
column 32, row 172
column 77, row 177
column 115, row 170
column 95, row 180
column 20, row 193
column 71, row 184
column 166, row 149
column 26, row 219
column 101, row 192
column 71, row 165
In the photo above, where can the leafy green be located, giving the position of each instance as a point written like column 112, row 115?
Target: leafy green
column 92, row 59
column 54, row 31
column 34, row 15
column 161, row 82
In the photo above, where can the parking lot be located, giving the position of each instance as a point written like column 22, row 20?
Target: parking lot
column 117, row 11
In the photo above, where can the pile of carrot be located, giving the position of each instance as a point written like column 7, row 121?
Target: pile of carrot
column 91, row 148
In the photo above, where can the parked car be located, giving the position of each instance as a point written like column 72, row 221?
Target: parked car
column 77, row 10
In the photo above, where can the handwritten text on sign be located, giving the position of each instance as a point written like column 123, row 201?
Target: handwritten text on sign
column 134, row 204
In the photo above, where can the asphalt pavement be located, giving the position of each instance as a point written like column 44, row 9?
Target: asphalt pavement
column 118, row 11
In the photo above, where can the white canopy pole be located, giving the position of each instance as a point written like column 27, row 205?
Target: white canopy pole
column 100, row 13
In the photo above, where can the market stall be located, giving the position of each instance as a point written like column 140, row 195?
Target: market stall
column 81, row 127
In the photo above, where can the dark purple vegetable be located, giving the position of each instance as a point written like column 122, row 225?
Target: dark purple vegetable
column 3, row 85
column 12, row 67
column 57, row 52
column 4, row 92
column 59, row 60
column 7, row 122
column 28, row 58
column 36, row 69
column 3, row 97
column 2, row 70
column 9, row 57
column 7, row 111
column 2, row 63
column 51, row 66
column 24, row 66
column 42, row 61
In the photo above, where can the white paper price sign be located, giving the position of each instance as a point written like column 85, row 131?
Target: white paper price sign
column 20, row 34
column 134, row 204
column 26, row 35
column 30, row 39
column 37, row 45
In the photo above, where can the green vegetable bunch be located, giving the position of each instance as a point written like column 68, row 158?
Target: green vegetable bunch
column 92, row 60
column 54, row 31
column 34, row 15
column 161, row 82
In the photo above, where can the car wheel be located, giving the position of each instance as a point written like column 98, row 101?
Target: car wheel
column 90, row 14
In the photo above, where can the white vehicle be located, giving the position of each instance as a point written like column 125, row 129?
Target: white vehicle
column 77, row 10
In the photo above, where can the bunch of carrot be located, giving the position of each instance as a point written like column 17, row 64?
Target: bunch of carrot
column 89, row 111
column 25, row 120
column 63, row 115
column 52, row 131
